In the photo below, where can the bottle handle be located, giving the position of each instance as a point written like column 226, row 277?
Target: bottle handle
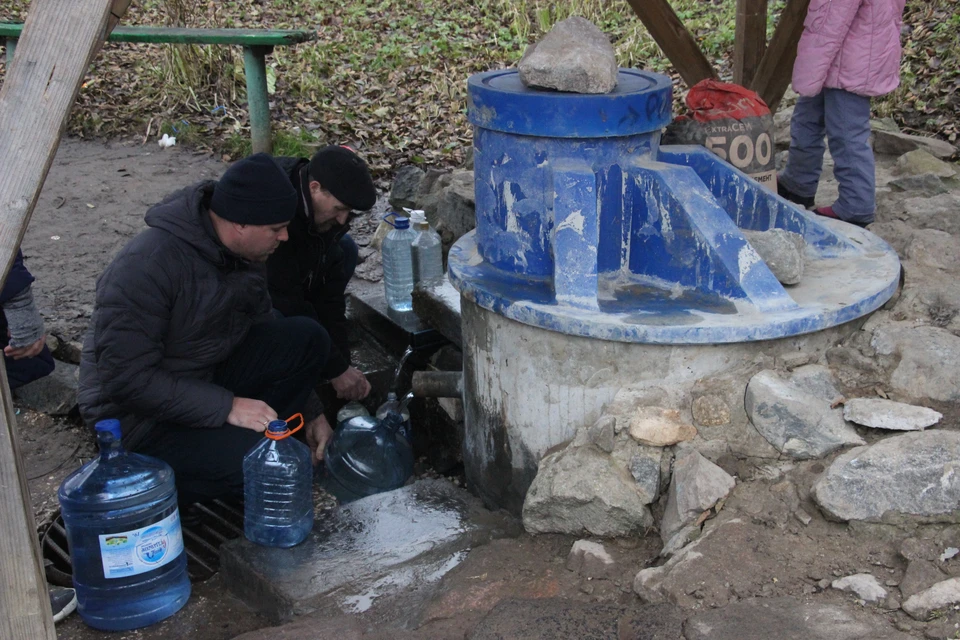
column 392, row 224
column 289, row 432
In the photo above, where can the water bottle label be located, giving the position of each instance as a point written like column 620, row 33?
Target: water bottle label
column 129, row 553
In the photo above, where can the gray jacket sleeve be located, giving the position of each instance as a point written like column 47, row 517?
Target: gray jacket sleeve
column 23, row 319
column 134, row 315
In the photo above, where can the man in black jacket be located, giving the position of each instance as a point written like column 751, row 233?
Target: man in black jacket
column 183, row 346
column 308, row 275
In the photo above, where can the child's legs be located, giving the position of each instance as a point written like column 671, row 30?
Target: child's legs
column 848, row 132
column 805, row 160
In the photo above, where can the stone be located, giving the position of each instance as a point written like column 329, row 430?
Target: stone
column 55, row 394
column 455, row 213
column 884, row 124
column 600, row 434
column 781, row 127
column 591, row 560
column 818, row 381
column 941, row 595
column 931, row 212
column 864, row 585
column 697, row 485
column 929, row 361
column 788, row 619
column 899, row 478
column 581, row 490
column 895, row 143
column 782, row 250
column 659, row 427
column 791, row 361
column 878, row 413
column 797, row 423
column 710, row 411
column 644, row 467
column 919, row 162
column 373, row 544
column 919, row 576
column 406, row 186
column 553, row 618
column 927, row 183
column 679, row 540
column 575, row 56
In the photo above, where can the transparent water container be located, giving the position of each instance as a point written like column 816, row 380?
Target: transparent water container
column 393, row 404
column 398, row 265
column 278, row 488
column 427, row 249
column 123, row 528
column 366, row 456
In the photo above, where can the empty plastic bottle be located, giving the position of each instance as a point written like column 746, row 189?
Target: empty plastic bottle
column 427, row 249
column 123, row 528
column 366, row 456
column 393, row 404
column 398, row 265
column 278, row 488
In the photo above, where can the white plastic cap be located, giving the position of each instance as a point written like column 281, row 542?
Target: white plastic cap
column 417, row 216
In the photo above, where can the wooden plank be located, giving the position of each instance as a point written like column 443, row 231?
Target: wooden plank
column 40, row 87
column 185, row 35
column 751, row 39
column 674, row 40
column 776, row 67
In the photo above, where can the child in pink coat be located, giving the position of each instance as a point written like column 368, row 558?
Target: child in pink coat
column 849, row 52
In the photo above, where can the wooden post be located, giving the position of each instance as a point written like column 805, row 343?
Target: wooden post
column 59, row 39
column 751, row 39
column 776, row 67
column 673, row 38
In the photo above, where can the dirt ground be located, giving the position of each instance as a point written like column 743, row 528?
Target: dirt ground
column 94, row 200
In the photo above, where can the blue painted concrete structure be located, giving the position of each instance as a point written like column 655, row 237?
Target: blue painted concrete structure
column 587, row 226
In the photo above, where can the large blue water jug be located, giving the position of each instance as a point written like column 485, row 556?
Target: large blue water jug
column 123, row 527
column 278, row 488
column 367, row 455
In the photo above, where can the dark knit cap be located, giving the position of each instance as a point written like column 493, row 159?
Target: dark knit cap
column 256, row 191
column 345, row 175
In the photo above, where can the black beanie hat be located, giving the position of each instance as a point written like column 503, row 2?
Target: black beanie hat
column 255, row 191
column 345, row 175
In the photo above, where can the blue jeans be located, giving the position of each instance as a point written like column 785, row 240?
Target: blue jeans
column 844, row 118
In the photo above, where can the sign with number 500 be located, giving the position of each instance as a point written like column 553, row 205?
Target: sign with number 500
column 743, row 152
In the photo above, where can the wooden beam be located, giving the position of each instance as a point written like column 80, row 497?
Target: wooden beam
column 674, row 40
column 750, row 40
column 776, row 67
column 59, row 39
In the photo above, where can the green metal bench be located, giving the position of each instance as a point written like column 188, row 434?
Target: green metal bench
column 256, row 43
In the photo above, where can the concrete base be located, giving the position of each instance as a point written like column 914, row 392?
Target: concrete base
column 528, row 389
column 385, row 542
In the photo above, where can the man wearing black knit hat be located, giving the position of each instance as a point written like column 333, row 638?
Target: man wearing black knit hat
column 183, row 346
column 308, row 275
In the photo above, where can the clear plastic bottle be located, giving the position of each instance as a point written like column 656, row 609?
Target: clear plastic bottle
column 427, row 249
column 278, row 489
column 366, row 456
column 398, row 265
column 393, row 404
column 123, row 528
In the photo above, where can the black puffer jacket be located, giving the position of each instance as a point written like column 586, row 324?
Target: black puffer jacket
column 172, row 305
column 306, row 274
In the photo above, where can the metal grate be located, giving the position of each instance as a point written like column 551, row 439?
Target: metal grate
column 208, row 527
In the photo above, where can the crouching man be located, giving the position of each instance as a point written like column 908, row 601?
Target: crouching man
column 183, row 348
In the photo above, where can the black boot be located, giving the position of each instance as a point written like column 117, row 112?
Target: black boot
column 786, row 194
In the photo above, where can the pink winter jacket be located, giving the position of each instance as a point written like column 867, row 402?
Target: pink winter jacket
column 849, row 44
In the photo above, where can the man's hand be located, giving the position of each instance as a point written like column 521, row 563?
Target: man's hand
column 318, row 433
column 351, row 385
column 251, row 414
column 29, row 351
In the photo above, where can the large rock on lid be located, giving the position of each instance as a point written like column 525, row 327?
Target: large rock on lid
column 575, row 56
column 899, row 478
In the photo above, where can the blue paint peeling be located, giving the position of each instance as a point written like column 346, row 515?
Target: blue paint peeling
column 587, row 226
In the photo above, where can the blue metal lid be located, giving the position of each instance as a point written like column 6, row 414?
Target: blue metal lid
column 499, row 100
column 111, row 425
